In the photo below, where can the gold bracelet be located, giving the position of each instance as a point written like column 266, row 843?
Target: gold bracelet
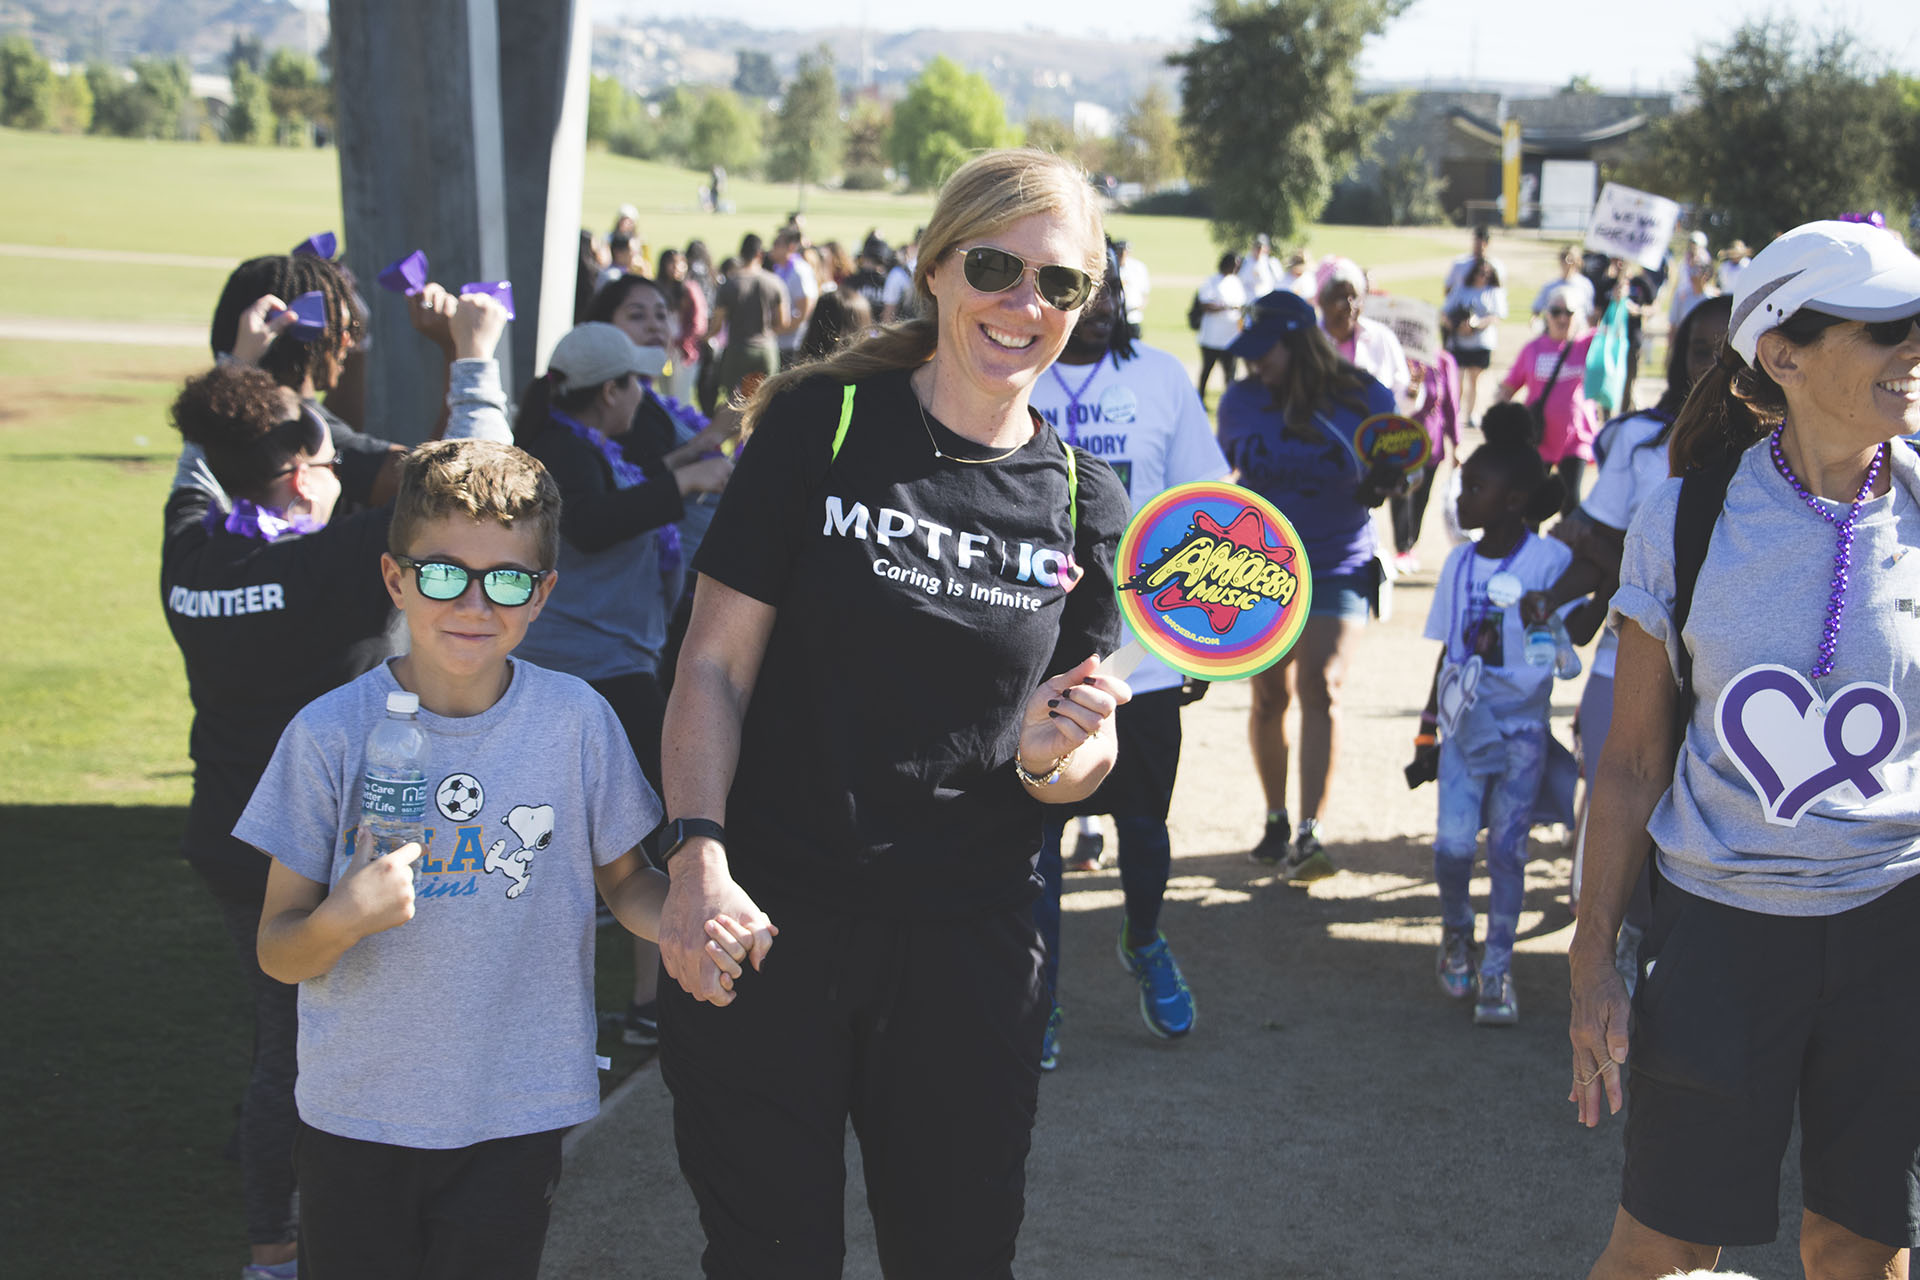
column 1042, row 779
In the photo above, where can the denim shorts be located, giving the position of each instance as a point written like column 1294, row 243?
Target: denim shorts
column 1343, row 595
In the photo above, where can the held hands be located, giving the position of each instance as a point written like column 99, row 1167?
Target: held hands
column 732, row 943
column 475, row 325
column 702, row 894
column 1065, row 711
column 1598, row 1029
column 374, row 894
column 260, row 324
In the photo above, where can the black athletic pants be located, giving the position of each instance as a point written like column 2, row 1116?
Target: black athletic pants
column 926, row 1034
column 370, row 1211
column 1210, row 356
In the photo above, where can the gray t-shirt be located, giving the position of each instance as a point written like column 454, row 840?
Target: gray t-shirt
column 475, row 1019
column 1762, row 598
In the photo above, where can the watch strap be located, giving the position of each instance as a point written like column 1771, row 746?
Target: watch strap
column 677, row 832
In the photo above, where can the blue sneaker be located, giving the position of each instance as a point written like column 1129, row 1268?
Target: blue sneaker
column 1165, row 1003
column 1050, row 1045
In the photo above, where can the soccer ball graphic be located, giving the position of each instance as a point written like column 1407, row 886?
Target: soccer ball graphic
column 459, row 797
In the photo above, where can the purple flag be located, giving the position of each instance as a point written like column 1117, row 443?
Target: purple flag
column 406, row 275
column 322, row 245
column 309, row 317
column 500, row 291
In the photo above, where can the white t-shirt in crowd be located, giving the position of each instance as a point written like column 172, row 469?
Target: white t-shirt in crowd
column 1218, row 328
column 897, row 292
column 1138, row 284
column 802, row 284
column 1261, row 275
column 1143, row 418
column 1631, row 471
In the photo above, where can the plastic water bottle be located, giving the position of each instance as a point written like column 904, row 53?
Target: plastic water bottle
column 393, row 795
column 1541, row 650
column 1566, row 662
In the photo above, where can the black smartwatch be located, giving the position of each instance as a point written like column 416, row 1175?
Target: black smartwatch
column 667, row 841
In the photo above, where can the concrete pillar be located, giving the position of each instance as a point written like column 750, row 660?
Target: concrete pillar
column 462, row 131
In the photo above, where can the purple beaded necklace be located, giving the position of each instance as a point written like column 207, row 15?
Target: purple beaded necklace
column 1842, row 543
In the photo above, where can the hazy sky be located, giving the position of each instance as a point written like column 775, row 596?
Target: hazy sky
column 1524, row 40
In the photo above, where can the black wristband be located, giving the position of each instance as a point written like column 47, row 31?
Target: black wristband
column 668, row 839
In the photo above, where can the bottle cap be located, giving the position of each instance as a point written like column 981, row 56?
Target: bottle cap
column 400, row 702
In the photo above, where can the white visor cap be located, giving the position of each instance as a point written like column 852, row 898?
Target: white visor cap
column 1846, row 269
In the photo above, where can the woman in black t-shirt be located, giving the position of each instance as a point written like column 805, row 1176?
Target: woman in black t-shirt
column 891, row 661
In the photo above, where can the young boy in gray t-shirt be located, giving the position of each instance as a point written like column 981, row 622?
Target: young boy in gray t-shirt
column 447, row 1026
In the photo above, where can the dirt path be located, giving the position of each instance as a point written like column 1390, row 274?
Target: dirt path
column 1332, row 1115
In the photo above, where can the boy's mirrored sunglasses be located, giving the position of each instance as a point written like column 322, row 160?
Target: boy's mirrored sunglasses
column 442, row 580
column 996, row 271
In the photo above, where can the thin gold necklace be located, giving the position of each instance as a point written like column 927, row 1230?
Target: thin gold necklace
column 972, row 462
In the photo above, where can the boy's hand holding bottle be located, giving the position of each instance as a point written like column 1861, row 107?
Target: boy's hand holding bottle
column 375, row 893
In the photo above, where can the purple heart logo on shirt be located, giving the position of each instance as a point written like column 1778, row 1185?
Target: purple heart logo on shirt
column 1459, row 686
column 1795, row 748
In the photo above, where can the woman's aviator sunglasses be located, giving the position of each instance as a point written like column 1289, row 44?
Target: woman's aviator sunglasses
column 996, row 271
column 441, row 580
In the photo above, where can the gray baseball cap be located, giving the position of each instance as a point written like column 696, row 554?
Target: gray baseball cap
column 596, row 352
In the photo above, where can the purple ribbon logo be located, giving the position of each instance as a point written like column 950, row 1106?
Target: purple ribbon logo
column 1794, row 748
column 1459, row 688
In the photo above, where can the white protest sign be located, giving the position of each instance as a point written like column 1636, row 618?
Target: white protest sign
column 1415, row 323
column 1632, row 225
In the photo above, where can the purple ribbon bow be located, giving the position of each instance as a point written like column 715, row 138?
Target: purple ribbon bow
column 501, row 291
column 321, row 245
column 309, row 317
column 405, row 275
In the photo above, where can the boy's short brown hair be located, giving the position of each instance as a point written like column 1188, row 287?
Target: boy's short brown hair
column 479, row 480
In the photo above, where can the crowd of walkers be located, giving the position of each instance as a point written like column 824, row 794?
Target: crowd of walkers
column 702, row 626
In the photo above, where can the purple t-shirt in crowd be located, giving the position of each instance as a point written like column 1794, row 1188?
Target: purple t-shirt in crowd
column 1314, row 481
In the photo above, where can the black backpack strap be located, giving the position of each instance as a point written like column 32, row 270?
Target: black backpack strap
column 1703, row 495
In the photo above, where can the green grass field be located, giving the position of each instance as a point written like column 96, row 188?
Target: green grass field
column 126, row 1047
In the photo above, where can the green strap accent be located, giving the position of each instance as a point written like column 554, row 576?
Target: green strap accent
column 1073, row 490
column 846, row 420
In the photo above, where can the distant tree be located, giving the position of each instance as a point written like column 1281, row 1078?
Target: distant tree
column 26, row 85
column 1150, row 136
column 1412, row 191
column 1051, row 133
column 1907, row 135
column 725, row 132
column 807, row 129
column 72, row 103
column 946, row 114
column 864, row 148
column 1783, row 128
column 1269, row 113
column 300, row 97
column 754, row 76
column 150, row 105
column 610, row 107
column 1580, row 84
column 250, row 116
column 246, row 51
column 677, row 108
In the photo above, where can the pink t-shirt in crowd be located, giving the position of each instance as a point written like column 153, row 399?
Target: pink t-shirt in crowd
column 1572, row 420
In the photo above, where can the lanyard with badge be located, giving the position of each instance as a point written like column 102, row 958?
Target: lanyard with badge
column 1073, row 396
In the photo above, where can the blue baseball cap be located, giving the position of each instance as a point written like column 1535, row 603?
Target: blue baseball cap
column 1270, row 319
